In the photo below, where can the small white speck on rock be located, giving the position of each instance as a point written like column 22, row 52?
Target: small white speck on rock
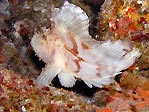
column 23, row 109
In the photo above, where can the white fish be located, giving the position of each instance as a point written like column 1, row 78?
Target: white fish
column 69, row 51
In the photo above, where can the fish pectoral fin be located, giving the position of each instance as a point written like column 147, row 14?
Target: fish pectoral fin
column 99, row 82
column 66, row 80
column 47, row 75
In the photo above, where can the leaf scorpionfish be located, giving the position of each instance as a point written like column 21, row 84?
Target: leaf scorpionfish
column 71, row 53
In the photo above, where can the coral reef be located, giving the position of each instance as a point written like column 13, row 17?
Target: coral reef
column 118, row 19
column 18, row 93
column 126, row 101
column 123, row 19
column 127, row 20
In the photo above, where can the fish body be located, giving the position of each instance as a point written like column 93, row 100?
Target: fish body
column 71, row 53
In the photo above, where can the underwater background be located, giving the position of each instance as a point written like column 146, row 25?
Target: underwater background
column 20, row 66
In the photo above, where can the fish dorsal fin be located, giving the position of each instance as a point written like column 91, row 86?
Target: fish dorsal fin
column 71, row 18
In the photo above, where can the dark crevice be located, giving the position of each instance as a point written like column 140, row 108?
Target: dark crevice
column 80, row 87
column 117, row 78
column 39, row 63
column 144, row 69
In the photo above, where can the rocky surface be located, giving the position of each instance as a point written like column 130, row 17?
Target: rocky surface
column 19, row 67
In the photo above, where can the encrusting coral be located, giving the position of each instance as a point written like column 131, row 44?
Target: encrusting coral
column 18, row 93
column 20, row 19
column 127, row 20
